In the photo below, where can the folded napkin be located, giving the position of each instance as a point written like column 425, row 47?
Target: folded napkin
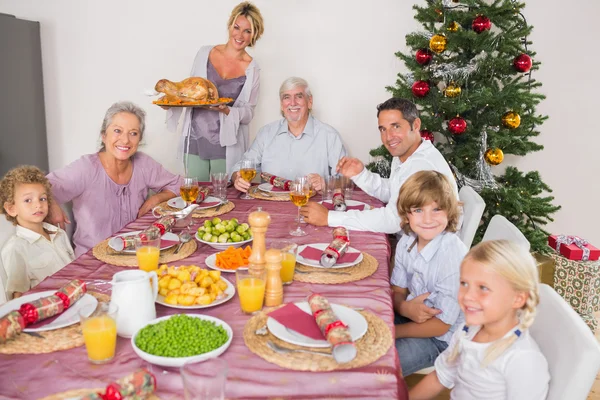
column 209, row 203
column 168, row 243
column 315, row 254
column 297, row 320
column 276, row 189
column 329, row 206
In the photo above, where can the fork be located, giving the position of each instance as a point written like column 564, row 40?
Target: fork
column 323, row 272
column 284, row 350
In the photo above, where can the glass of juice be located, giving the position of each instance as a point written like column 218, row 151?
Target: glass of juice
column 288, row 250
column 247, row 172
column 147, row 251
column 251, row 289
column 99, row 332
column 189, row 190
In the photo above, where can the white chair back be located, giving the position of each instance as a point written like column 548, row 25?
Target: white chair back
column 569, row 346
column 500, row 228
column 6, row 231
column 473, row 206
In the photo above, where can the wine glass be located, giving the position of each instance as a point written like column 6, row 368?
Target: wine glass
column 247, row 172
column 299, row 193
column 189, row 190
column 304, row 181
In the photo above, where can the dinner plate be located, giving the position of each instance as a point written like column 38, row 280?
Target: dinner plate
column 322, row 246
column 167, row 236
column 180, row 204
column 352, row 203
column 267, row 187
column 192, row 105
column 357, row 326
column 69, row 317
column 211, row 262
column 229, row 292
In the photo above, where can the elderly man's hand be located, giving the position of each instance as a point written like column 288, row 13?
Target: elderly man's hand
column 349, row 166
column 57, row 216
column 315, row 214
column 239, row 183
column 316, row 182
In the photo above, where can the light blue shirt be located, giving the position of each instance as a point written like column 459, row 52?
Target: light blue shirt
column 278, row 152
column 434, row 270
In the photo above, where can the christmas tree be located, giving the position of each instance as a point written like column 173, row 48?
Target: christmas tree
column 471, row 78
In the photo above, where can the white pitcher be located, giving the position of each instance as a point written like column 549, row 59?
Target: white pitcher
column 132, row 293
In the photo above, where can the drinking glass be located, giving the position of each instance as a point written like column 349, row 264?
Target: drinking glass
column 251, row 289
column 219, row 182
column 299, row 193
column 247, row 172
column 347, row 188
column 204, row 380
column 99, row 331
column 329, row 188
column 288, row 250
column 189, row 190
column 147, row 251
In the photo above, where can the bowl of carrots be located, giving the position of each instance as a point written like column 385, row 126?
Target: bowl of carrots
column 230, row 260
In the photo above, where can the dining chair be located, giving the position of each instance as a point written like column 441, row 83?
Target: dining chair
column 473, row 206
column 572, row 351
column 500, row 228
column 6, row 231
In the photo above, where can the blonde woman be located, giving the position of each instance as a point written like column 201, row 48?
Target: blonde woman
column 214, row 139
column 493, row 356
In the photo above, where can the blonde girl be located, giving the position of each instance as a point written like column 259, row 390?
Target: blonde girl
column 493, row 356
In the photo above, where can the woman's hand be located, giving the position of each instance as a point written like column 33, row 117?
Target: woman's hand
column 57, row 216
column 220, row 108
column 239, row 183
column 155, row 200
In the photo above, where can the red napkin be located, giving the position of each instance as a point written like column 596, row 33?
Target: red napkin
column 297, row 320
column 209, row 203
column 329, row 206
column 167, row 243
column 315, row 254
column 278, row 189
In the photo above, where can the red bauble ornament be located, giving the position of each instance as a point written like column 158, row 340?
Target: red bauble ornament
column 427, row 135
column 522, row 63
column 457, row 125
column 481, row 23
column 420, row 88
column 423, row 56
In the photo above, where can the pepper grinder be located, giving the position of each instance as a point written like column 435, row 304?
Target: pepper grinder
column 259, row 220
column 274, row 286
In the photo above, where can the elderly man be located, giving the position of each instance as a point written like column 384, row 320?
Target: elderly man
column 399, row 126
column 296, row 145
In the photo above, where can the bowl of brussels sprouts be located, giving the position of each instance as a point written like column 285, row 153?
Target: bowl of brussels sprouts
column 221, row 234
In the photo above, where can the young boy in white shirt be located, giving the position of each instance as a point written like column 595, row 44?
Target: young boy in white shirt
column 37, row 249
column 425, row 279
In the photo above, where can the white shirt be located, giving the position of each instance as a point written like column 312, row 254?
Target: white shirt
column 29, row 258
column 521, row 372
column 316, row 150
column 435, row 270
column 387, row 220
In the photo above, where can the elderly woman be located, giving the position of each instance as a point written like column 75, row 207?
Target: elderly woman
column 214, row 139
column 109, row 189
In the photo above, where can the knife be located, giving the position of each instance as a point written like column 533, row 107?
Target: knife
column 35, row 334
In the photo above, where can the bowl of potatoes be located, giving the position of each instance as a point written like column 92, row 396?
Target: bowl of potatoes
column 192, row 287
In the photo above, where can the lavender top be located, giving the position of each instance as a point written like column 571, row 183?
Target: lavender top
column 102, row 207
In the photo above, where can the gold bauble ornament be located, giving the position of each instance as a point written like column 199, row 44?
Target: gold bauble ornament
column 438, row 43
column 511, row 120
column 453, row 27
column 452, row 90
column 494, row 156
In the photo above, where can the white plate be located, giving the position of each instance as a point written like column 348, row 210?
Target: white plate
column 267, row 187
column 211, row 262
column 322, row 246
column 69, row 317
column 179, row 361
column 229, row 292
column 357, row 325
column 180, row 204
column 222, row 246
column 166, row 236
column 353, row 203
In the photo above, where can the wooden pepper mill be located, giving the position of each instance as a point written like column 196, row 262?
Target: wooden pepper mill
column 274, row 286
column 259, row 220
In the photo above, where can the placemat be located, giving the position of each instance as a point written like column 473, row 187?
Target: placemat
column 272, row 196
column 332, row 276
column 82, row 392
column 55, row 340
column 103, row 252
column 372, row 346
column 163, row 208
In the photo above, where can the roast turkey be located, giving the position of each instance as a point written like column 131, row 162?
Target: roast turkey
column 194, row 89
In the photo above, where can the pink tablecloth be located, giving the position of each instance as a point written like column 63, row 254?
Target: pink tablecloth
column 250, row 377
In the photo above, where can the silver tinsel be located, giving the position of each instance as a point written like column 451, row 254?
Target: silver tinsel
column 381, row 166
column 425, row 35
column 451, row 72
column 410, row 78
column 483, row 176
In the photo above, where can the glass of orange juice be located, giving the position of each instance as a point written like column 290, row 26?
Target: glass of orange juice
column 251, row 289
column 99, row 332
column 288, row 263
column 147, row 251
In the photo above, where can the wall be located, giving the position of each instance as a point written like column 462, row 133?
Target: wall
column 95, row 53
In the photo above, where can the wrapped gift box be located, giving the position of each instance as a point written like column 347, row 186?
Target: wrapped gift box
column 573, row 248
column 546, row 267
column 578, row 282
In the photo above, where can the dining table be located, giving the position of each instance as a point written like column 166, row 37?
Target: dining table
column 33, row 376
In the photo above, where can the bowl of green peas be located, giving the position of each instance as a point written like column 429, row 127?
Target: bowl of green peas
column 173, row 340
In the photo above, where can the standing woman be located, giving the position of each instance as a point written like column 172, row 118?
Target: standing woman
column 215, row 138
